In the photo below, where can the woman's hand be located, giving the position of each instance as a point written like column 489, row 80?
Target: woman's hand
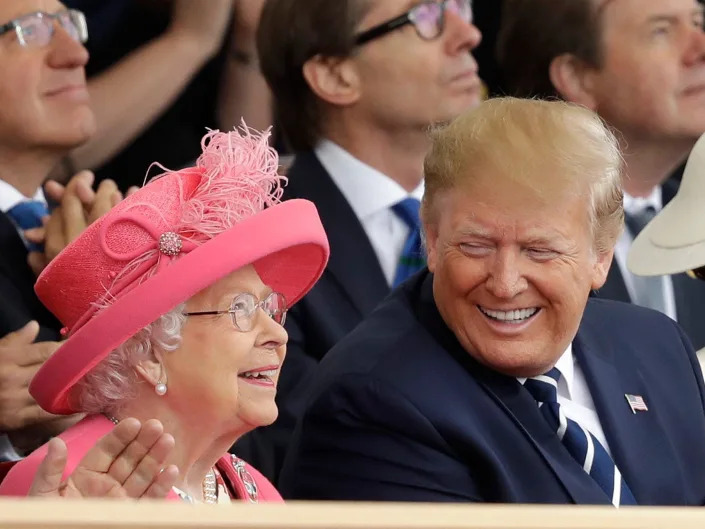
column 126, row 463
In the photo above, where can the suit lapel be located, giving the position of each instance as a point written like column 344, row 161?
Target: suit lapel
column 353, row 262
column 634, row 439
column 516, row 402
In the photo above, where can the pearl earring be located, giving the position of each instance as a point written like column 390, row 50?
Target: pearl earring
column 160, row 388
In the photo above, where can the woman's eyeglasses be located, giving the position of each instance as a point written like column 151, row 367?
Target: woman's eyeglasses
column 428, row 18
column 243, row 310
column 37, row 29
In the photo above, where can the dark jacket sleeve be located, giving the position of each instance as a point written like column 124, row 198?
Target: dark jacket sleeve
column 362, row 440
column 14, row 314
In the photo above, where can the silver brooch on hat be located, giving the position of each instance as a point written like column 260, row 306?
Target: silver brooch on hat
column 170, row 243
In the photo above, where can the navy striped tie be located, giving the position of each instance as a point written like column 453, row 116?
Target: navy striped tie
column 412, row 257
column 581, row 444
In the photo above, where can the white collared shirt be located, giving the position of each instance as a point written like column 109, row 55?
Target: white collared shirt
column 10, row 196
column 633, row 206
column 371, row 194
column 575, row 398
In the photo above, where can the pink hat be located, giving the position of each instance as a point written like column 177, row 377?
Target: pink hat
column 177, row 235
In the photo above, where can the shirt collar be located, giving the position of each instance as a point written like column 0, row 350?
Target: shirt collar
column 634, row 205
column 356, row 179
column 566, row 365
column 10, row 196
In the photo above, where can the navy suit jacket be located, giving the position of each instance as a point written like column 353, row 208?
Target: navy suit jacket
column 399, row 411
column 689, row 293
column 18, row 302
column 350, row 288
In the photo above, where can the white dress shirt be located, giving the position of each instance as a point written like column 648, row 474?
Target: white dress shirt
column 9, row 198
column 635, row 205
column 575, row 398
column 371, row 195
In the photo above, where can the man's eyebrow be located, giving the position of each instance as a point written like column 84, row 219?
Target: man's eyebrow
column 474, row 231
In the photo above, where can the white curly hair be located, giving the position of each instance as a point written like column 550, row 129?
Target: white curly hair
column 114, row 380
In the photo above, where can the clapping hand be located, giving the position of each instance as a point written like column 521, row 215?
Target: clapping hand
column 126, row 463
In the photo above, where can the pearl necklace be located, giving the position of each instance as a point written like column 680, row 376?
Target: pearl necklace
column 210, row 484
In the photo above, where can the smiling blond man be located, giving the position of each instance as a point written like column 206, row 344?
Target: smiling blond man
column 494, row 377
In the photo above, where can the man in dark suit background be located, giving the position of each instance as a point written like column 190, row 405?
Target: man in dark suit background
column 640, row 64
column 355, row 98
column 494, row 377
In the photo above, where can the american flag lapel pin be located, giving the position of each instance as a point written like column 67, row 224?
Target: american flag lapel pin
column 636, row 402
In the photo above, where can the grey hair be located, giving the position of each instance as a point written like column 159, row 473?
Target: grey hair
column 113, row 381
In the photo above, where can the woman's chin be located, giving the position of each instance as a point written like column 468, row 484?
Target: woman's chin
column 270, row 417
column 263, row 417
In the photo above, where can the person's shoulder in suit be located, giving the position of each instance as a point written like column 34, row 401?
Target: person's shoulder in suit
column 372, row 411
column 301, row 175
column 384, row 338
column 628, row 324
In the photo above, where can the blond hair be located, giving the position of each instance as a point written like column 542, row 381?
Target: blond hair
column 519, row 139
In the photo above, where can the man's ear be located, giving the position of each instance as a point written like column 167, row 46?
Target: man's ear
column 152, row 369
column 333, row 79
column 573, row 80
column 431, row 239
column 601, row 269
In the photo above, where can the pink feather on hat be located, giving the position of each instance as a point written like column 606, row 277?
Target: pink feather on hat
column 239, row 179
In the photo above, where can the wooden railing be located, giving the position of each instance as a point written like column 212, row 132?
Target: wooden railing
column 64, row 514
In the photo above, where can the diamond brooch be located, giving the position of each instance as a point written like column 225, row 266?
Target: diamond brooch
column 170, row 243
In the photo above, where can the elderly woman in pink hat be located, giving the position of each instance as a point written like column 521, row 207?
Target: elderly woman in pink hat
column 173, row 305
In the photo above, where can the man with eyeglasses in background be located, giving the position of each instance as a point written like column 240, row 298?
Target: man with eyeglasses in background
column 44, row 113
column 357, row 85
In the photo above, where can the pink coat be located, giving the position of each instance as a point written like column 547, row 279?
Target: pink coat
column 248, row 482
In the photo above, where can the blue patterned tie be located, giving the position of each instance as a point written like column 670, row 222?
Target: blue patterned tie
column 28, row 215
column 581, row 444
column 412, row 257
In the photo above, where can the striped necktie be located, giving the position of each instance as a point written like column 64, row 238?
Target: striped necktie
column 581, row 444
column 412, row 257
